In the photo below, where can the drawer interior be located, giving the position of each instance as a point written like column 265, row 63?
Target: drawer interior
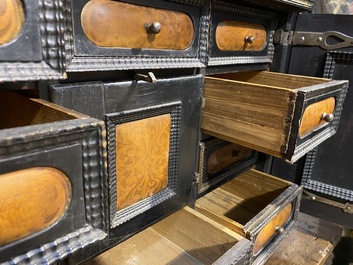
column 275, row 80
column 185, row 237
column 17, row 110
column 240, row 200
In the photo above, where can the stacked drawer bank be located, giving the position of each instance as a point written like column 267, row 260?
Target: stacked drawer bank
column 116, row 115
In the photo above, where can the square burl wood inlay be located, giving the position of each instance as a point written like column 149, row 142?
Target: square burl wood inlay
column 142, row 155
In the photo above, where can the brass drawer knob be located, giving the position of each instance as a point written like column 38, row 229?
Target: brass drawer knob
column 249, row 39
column 328, row 117
column 153, row 28
column 280, row 230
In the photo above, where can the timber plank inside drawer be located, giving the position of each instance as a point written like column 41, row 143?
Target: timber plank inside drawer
column 51, row 180
column 255, row 205
column 281, row 115
column 185, row 237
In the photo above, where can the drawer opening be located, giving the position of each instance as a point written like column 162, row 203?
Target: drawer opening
column 275, row 80
column 17, row 111
column 185, row 237
column 239, row 203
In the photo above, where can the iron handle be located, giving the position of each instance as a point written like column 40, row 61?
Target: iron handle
column 328, row 117
column 249, row 39
column 153, row 28
column 148, row 77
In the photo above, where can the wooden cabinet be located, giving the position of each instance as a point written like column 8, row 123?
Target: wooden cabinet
column 282, row 115
column 52, row 180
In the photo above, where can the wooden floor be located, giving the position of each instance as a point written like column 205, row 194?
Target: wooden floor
column 310, row 242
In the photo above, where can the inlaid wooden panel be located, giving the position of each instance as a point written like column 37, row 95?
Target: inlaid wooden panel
column 115, row 24
column 11, row 20
column 311, row 119
column 225, row 156
column 142, row 155
column 270, row 229
column 31, row 200
column 240, row 36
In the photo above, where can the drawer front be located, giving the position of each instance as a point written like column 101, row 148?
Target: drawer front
column 38, row 26
column 114, row 35
column 282, row 115
column 185, row 237
column 240, row 35
column 220, row 161
column 50, row 207
column 152, row 143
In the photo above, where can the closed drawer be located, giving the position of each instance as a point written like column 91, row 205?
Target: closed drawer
column 240, row 35
column 152, row 145
column 185, row 237
column 32, row 40
column 282, row 115
column 255, row 205
column 52, row 180
column 140, row 34
column 220, row 161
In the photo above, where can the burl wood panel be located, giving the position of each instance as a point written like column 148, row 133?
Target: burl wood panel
column 238, row 201
column 311, row 119
column 231, row 36
column 17, row 111
column 31, row 200
column 11, row 20
column 253, row 109
column 115, row 24
column 269, row 229
column 142, row 155
column 225, row 156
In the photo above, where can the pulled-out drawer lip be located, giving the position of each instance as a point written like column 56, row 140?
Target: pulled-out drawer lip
column 263, row 110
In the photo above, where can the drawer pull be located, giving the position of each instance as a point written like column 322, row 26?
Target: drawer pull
column 328, row 117
column 280, row 230
column 153, row 28
column 249, row 39
column 149, row 77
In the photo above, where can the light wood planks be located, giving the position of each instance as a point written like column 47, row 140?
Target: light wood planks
column 231, row 36
column 11, row 20
column 116, row 24
column 311, row 118
column 142, row 158
column 31, row 200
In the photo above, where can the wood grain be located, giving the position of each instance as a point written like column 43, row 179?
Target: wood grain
column 269, row 230
column 225, row 156
column 185, row 237
column 31, row 200
column 17, row 111
column 115, row 24
column 11, row 20
column 230, row 36
column 239, row 200
column 311, row 118
column 142, row 155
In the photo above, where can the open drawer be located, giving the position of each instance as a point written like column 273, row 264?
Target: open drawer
column 52, row 180
column 255, row 205
column 278, row 114
column 185, row 237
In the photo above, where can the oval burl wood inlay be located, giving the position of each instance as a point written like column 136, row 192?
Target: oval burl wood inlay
column 225, row 156
column 123, row 25
column 311, row 119
column 11, row 20
column 269, row 229
column 142, row 158
column 31, row 200
column 240, row 36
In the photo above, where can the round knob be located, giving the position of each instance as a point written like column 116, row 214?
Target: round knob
column 249, row 39
column 280, row 230
column 153, row 28
column 328, row 117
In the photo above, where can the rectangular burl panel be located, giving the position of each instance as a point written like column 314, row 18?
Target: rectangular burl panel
column 142, row 155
